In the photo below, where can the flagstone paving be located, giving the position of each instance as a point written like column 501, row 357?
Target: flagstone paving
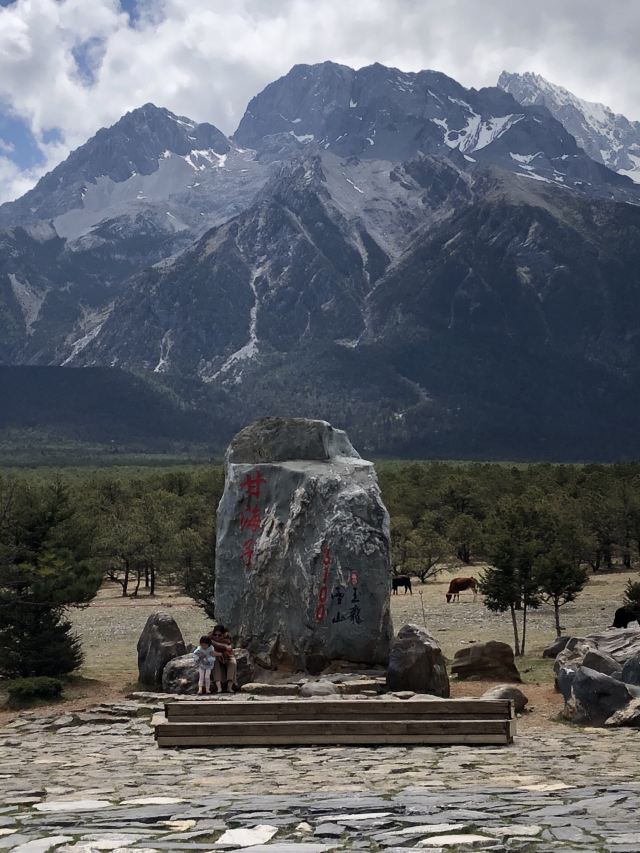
column 95, row 780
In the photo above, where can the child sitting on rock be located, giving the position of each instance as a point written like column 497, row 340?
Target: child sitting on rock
column 225, row 667
column 206, row 658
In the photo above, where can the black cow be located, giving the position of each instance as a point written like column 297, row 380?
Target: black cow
column 401, row 580
column 623, row 616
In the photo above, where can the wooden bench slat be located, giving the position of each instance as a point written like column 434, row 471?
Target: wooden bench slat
column 338, row 740
column 308, row 709
column 237, row 729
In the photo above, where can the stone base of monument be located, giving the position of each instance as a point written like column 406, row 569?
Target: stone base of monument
column 364, row 721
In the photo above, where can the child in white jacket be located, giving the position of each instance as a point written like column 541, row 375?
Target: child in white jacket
column 205, row 656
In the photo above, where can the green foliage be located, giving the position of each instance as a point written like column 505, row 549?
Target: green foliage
column 23, row 691
column 540, row 527
column 632, row 595
column 45, row 566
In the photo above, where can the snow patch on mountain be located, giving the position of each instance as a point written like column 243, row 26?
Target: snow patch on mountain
column 608, row 137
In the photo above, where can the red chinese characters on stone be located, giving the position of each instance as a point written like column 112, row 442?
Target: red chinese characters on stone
column 247, row 552
column 252, row 484
column 250, row 517
column 321, row 608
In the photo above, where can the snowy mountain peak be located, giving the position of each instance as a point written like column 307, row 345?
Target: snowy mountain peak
column 134, row 146
column 607, row 137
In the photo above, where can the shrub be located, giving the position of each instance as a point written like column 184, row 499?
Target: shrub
column 37, row 642
column 24, row 690
column 632, row 595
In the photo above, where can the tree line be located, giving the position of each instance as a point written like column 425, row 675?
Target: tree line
column 540, row 527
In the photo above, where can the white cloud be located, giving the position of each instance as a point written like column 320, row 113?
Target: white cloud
column 207, row 59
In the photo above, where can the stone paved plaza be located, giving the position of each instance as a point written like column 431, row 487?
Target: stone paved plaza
column 95, row 780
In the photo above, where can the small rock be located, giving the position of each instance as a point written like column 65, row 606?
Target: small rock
column 507, row 691
column 41, row 845
column 455, row 840
column 416, row 663
column 491, row 661
column 554, row 649
column 329, row 830
column 319, row 688
column 71, row 805
column 246, row 836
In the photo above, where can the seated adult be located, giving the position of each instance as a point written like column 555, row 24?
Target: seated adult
column 225, row 667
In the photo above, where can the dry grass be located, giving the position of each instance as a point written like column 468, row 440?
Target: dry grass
column 110, row 627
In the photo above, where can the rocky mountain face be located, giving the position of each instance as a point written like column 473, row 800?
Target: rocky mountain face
column 607, row 137
column 383, row 113
column 133, row 195
column 441, row 270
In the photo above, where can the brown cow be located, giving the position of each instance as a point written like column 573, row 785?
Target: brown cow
column 458, row 585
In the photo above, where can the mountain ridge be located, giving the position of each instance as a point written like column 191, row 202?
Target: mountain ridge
column 427, row 264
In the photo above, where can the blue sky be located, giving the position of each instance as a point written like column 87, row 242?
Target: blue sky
column 69, row 67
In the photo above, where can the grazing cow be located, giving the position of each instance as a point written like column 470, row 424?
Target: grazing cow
column 401, row 580
column 458, row 585
column 623, row 616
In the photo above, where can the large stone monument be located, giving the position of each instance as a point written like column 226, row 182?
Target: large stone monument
column 302, row 559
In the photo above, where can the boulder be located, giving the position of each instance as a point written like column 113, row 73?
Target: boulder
column 564, row 680
column 416, row 663
column 595, row 697
column 507, row 691
column 602, row 662
column 492, row 661
column 160, row 641
column 246, row 668
column 620, row 643
column 302, row 557
column 180, row 675
column 556, row 647
column 627, row 716
column 631, row 671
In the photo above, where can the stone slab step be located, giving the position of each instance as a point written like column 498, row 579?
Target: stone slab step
column 212, row 710
column 334, row 731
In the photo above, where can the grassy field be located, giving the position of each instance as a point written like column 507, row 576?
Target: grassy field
column 110, row 627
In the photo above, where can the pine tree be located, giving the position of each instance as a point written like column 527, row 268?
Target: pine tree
column 45, row 566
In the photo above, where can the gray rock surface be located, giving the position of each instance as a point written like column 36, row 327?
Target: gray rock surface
column 161, row 641
column 508, row 691
column 491, row 661
column 595, row 697
column 554, row 649
column 602, row 662
column 302, row 558
column 416, row 663
column 564, row 680
column 627, row 716
column 620, row 643
column 319, row 688
column 180, row 675
column 631, row 671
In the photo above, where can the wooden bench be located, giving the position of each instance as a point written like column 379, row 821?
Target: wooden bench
column 264, row 722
